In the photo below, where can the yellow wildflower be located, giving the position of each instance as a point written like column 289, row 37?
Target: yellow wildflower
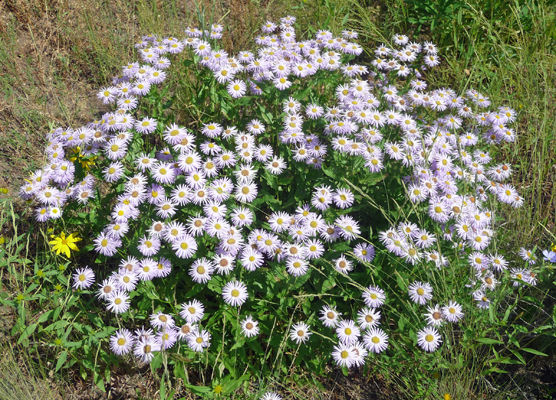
column 64, row 244
column 86, row 162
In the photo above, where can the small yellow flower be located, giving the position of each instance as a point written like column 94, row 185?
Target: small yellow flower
column 447, row 396
column 2, row 240
column 40, row 273
column 218, row 389
column 86, row 162
column 553, row 247
column 63, row 244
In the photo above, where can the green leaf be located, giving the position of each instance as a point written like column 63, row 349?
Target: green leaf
column 491, row 370
column 255, row 346
column 330, row 173
column 243, row 101
column 345, row 19
column 199, row 390
column 489, row 341
column 162, row 391
column 518, row 356
column 27, row 332
column 235, row 384
column 533, row 351
column 401, row 282
column 61, row 360
column 99, row 381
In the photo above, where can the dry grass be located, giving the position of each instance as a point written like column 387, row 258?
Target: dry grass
column 17, row 382
column 57, row 53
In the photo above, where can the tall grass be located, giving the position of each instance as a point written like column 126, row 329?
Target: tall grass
column 17, row 381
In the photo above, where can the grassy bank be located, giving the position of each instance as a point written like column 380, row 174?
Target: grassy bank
column 60, row 52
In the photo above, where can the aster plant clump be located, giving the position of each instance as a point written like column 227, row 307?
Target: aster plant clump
column 342, row 209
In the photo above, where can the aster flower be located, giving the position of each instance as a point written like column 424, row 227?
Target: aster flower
column 347, row 332
column 122, row 342
column 527, row 255
column 149, row 246
column 300, row 333
column 126, row 280
column 201, row 270
column 480, row 297
column 343, row 198
column 375, row 340
column 235, row 293
column 192, row 311
column 420, row 292
column 429, row 339
column 83, row 278
column 107, row 94
column 118, row 302
column 167, row 338
column 184, row 246
column 106, row 288
column 106, row 245
column 374, row 296
column 276, row 166
column 223, row 264
column 321, row 201
column 314, row 249
column 246, row 192
column 147, row 269
column 163, row 268
column 271, row 396
column 251, row 259
column 249, row 327
column 236, row 88
column 452, row 312
column 349, row 228
column 343, row 265
column 434, row 316
column 329, row 317
column 185, row 330
column 368, row 318
column 144, row 349
column 162, row 321
column 343, row 355
column 242, row 216
column 296, row 266
column 364, row 252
